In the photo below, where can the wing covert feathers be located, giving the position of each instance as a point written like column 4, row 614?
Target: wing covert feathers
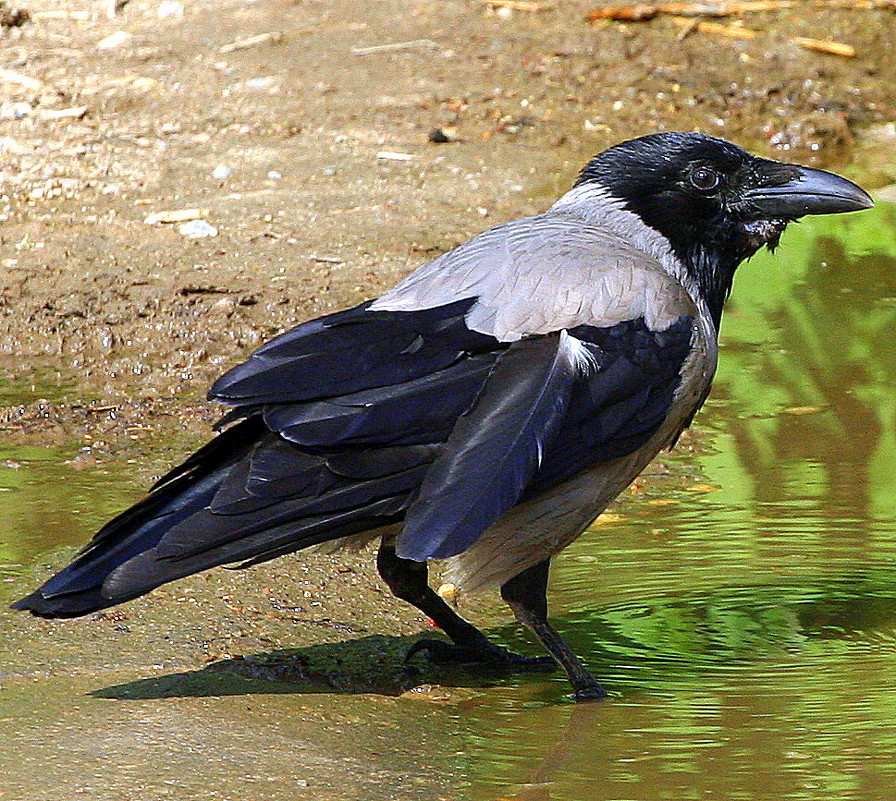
column 495, row 448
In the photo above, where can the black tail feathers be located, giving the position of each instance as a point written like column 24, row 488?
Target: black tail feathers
column 80, row 588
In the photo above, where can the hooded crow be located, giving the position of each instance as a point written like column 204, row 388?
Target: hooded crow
column 486, row 409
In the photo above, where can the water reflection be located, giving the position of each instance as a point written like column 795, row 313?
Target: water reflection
column 776, row 731
column 45, row 499
column 721, row 696
column 808, row 371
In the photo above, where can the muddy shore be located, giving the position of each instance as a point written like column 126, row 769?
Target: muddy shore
column 311, row 211
column 301, row 131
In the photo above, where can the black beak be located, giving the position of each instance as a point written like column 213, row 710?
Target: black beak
column 805, row 191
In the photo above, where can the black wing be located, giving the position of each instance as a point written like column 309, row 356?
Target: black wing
column 551, row 407
column 351, row 351
column 361, row 418
column 344, row 415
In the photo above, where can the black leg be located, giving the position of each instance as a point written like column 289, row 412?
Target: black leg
column 408, row 580
column 526, row 594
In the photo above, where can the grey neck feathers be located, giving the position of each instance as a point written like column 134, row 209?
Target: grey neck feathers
column 596, row 206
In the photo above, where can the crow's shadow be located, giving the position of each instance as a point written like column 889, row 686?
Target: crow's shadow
column 679, row 639
column 373, row 664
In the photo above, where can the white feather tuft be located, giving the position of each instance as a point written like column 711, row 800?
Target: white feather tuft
column 578, row 354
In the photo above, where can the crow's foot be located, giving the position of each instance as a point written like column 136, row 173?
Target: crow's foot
column 591, row 692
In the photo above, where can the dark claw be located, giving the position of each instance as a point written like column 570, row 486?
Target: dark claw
column 592, row 692
column 446, row 653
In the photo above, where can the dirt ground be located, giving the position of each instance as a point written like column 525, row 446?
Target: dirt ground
column 299, row 131
column 299, row 104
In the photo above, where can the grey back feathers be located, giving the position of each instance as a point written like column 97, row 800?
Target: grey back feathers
column 586, row 261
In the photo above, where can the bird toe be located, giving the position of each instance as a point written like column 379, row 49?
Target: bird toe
column 592, row 692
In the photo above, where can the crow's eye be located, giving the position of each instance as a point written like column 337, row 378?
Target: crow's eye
column 704, row 179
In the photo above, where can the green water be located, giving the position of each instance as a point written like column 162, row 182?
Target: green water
column 740, row 606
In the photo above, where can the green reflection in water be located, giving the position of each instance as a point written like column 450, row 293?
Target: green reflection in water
column 47, row 501
column 815, row 334
column 22, row 381
column 743, row 607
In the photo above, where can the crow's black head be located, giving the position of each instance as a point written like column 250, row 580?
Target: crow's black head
column 714, row 202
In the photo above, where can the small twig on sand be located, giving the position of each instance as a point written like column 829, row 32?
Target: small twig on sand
column 251, row 41
column 386, row 48
column 731, row 31
column 519, row 5
column 25, row 81
column 856, row 5
column 825, row 46
column 641, row 12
